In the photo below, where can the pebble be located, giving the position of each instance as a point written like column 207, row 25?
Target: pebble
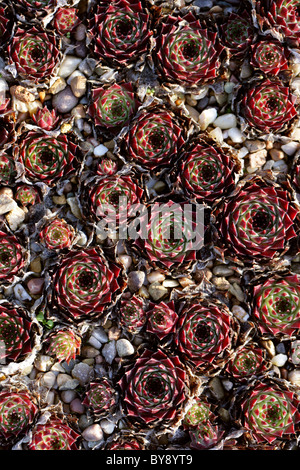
column 258, row 159
column 87, row 66
column 6, row 203
column 279, row 360
column 48, row 379
column 15, row 218
column 216, row 388
column 6, row 191
column 193, row 113
column 93, row 433
column 21, row 293
column 216, row 134
column 78, row 86
column 68, row 395
column 59, row 200
column 109, row 351
column 295, row 135
column 80, row 32
column 221, row 98
column 126, row 260
column 207, row 117
column 242, row 152
column 228, row 87
column 22, row 94
column 64, row 100
column 255, row 145
column 280, row 166
column 94, row 342
column 77, row 407
column 155, row 276
column 236, row 135
column 59, row 85
column 135, row 280
column 75, row 209
column 170, row 283
column 82, row 372
column 221, row 270
column 100, row 150
column 143, row 292
column 124, row 347
column 237, row 292
column 65, row 382
column 90, row 351
column 157, row 291
column 35, row 285
column 290, row 148
column 276, row 154
column 294, row 376
column 295, row 348
column 68, row 65
column 221, row 283
column 100, row 335
column 114, row 333
column 225, row 121
column 43, row 363
column 240, row 313
column 107, row 426
column 269, row 346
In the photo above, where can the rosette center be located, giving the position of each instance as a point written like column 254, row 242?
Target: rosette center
column 155, row 386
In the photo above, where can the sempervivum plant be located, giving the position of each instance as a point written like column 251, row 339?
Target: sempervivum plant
column 282, row 17
column 132, row 313
column 16, row 333
column 27, row 195
column 108, row 193
column 55, row 434
column 45, row 158
column 270, row 412
column 154, row 138
column 64, row 344
column 162, row 319
column 120, row 32
column 125, row 440
column 107, row 167
column 206, row 171
column 112, row 106
column 7, row 168
column 247, row 362
column 268, row 106
column 199, row 411
column 205, row 436
column 35, row 54
column 65, row 20
column 45, row 119
column 35, row 8
column 12, row 257
column 101, row 397
column 258, row 222
column 187, row 52
column 269, row 56
column 154, row 387
column 276, row 304
column 18, row 411
column 84, row 284
column 171, row 237
column 237, row 33
column 205, row 334
column 57, row 234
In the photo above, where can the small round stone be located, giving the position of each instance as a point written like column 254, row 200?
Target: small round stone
column 93, row 433
column 65, row 100
column 124, row 347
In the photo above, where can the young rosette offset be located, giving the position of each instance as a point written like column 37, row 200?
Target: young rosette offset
column 126, row 440
column 205, row 334
column 270, row 413
column 57, row 235
column 132, row 314
column 207, row 172
column 34, row 53
column 281, row 17
column 64, row 344
column 53, row 435
column 162, row 319
column 276, row 305
column 247, row 362
column 65, row 20
column 154, row 387
column 46, row 119
column 268, row 107
column 154, row 138
column 237, row 33
column 84, row 285
column 120, row 33
column 269, row 56
column 45, row 158
column 258, row 222
column 187, row 53
column 7, row 168
column 100, row 397
column 13, row 257
column 112, row 106
column 18, row 410
column 27, row 195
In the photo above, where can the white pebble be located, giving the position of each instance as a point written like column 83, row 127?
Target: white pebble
column 216, row 134
column 100, row 150
column 193, row 113
column 15, row 218
column 48, row 379
column 240, row 313
column 242, row 152
column 170, row 283
column 126, row 260
column 280, row 166
column 258, row 159
column 207, row 117
column 225, row 121
column 279, row 360
column 68, row 65
column 93, row 433
column 236, row 135
column 109, row 351
column 68, row 395
column 21, row 293
column 290, row 148
column 124, row 347
column 107, row 426
column 155, row 276
column 294, row 376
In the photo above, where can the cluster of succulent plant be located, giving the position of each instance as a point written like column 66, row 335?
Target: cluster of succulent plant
column 145, row 270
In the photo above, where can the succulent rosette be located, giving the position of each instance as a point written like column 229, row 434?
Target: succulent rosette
column 162, row 319
column 120, row 32
column 100, row 397
column 237, row 33
column 282, row 17
column 27, row 195
column 54, row 435
column 7, row 168
column 45, row 158
column 205, row 436
column 132, row 314
column 16, row 333
column 268, row 106
column 247, row 362
column 154, row 138
column 170, row 235
column 113, row 106
column 84, row 285
column 205, row 335
column 108, row 193
column 65, row 20
column 206, row 171
column 259, row 221
column 12, row 257
column 17, row 414
column 107, row 167
column 64, row 344
column 45, row 119
column 199, row 412
column 57, row 235
column 276, row 305
column 125, row 441
column 35, row 54
column 154, row 387
column 187, row 52
column 270, row 412
column 35, row 8
column 269, row 56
